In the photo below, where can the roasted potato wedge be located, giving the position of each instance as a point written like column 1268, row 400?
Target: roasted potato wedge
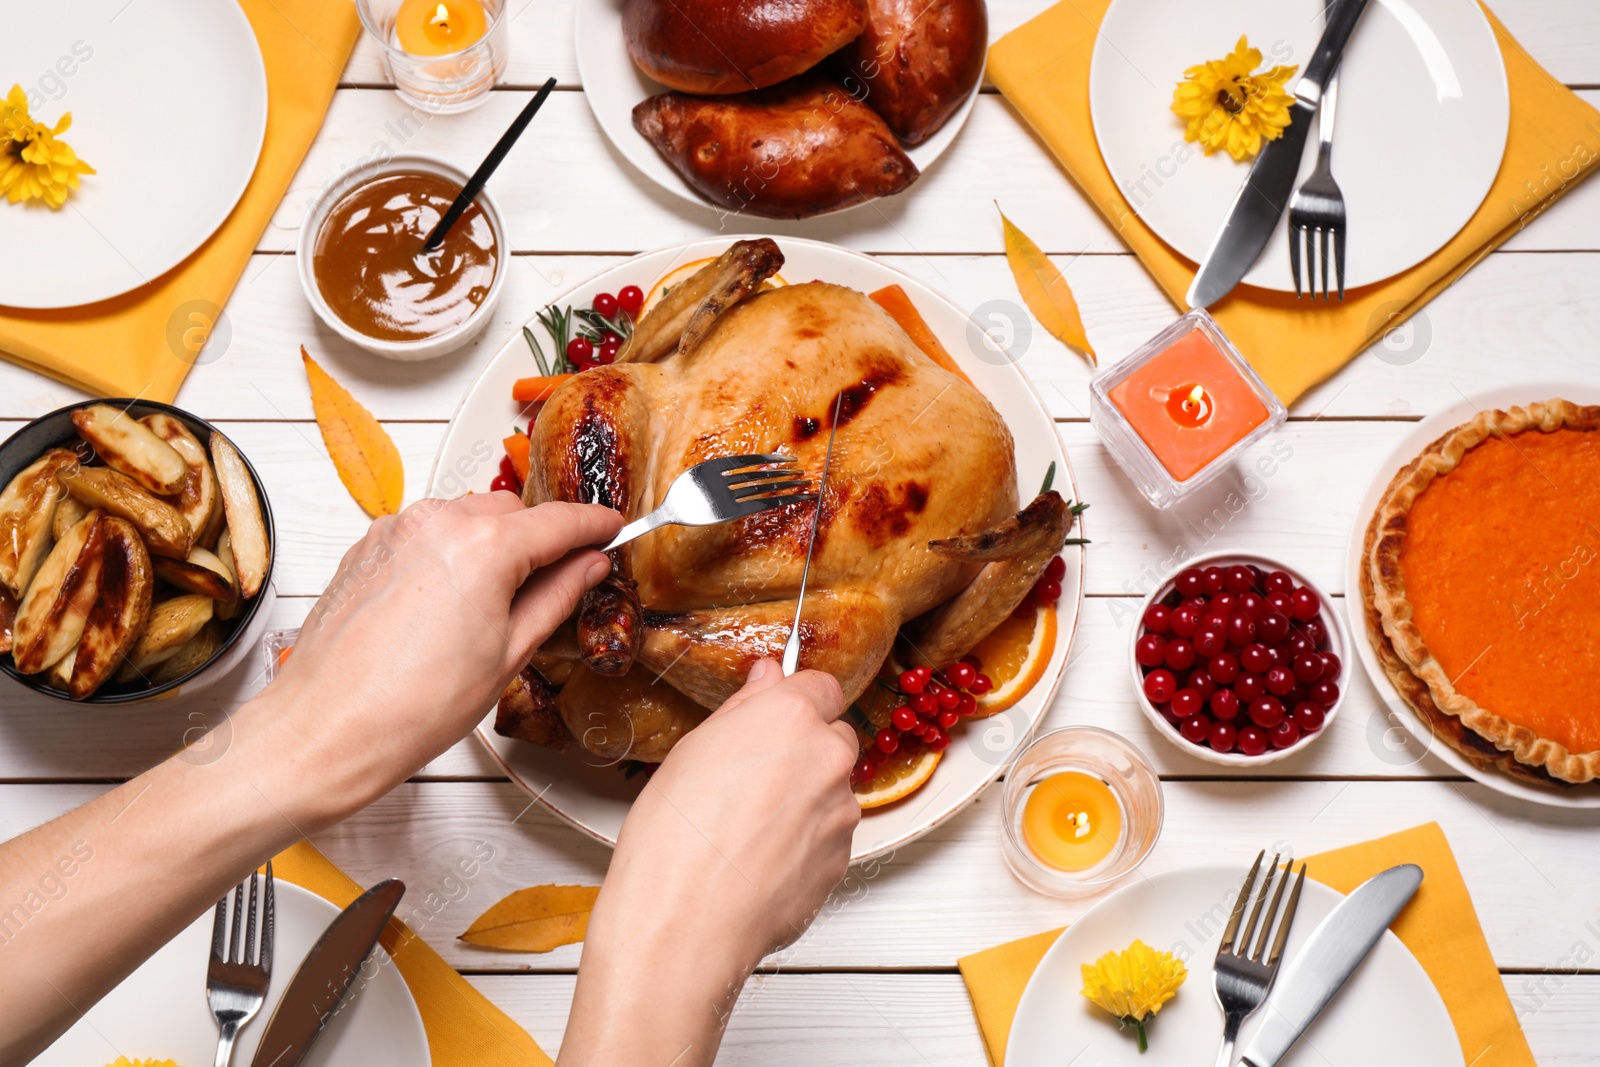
column 61, row 673
column 69, row 512
column 51, row 617
column 163, row 527
column 172, row 624
column 201, row 647
column 120, row 612
column 131, row 447
column 247, row 529
column 227, row 609
column 201, row 573
column 27, row 515
column 197, row 500
column 8, row 618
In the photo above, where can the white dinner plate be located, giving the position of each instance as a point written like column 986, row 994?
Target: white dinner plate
column 596, row 798
column 614, row 84
column 1422, row 116
column 1395, row 709
column 159, row 1011
column 1387, row 1015
column 169, row 105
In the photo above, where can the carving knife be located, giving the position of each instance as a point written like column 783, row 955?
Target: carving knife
column 325, row 976
column 1264, row 197
column 1332, row 953
column 791, row 647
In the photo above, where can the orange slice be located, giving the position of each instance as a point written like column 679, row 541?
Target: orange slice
column 900, row 775
column 682, row 273
column 1014, row 656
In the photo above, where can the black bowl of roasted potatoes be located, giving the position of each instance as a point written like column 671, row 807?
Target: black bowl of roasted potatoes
column 136, row 553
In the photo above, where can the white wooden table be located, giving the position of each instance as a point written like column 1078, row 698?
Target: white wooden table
column 875, row 980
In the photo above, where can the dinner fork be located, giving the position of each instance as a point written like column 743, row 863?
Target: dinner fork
column 1317, row 207
column 721, row 490
column 236, row 983
column 1243, row 975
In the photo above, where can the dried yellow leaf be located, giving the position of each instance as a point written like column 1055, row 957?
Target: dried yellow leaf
column 536, row 919
column 362, row 451
column 1045, row 291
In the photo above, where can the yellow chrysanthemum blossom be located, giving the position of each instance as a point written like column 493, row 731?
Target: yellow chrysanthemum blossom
column 123, row 1061
column 1225, row 104
column 1133, row 984
column 34, row 165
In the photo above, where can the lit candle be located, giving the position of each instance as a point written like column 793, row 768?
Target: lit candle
column 1189, row 405
column 1072, row 821
column 439, row 27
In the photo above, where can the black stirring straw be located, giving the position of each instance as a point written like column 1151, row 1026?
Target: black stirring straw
column 475, row 183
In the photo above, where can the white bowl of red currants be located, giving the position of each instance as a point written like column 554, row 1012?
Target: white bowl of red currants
column 1238, row 659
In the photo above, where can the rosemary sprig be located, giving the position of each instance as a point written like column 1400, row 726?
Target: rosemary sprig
column 1049, row 479
column 557, row 322
column 538, row 353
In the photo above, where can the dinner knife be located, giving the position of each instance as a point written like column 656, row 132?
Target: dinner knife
column 791, row 647
column 1264, row 196
column 1331, row 954
column 325, row 976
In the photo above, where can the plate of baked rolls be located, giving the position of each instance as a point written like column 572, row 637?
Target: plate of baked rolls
column 782, row 110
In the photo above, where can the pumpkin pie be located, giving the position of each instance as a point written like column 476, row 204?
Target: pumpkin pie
column 1481, row 585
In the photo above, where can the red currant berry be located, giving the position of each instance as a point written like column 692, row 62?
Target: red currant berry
column 1216, row 619
column 1202, row 683
column 1252, row 740
column 1308, row 717
column 876, row 754
column 1196, row 729
column 1047, row 591
column 1279, row 680
column 1190, row 582
column 903, row 718
column 923, row 704
column 1240, row 580
column 1225, row 602
column 1222, row 737
column 925, row 673
column 948, row 699
column 1241, row 629
column 1250, row 687
column 863, row 771
column 630, row 298
column 911, row 682
column 1151, row 650
column 1258, row 578
column 580, row 350
column 980, row 685
column 960, row 674
column 507, row 468
column 1158, row 618
column 1159, row 685
column 948, row 718
column 1272, row 626
column 1279, row 582
column 968, row 706
column 1216, row 580
column 502, row 483
column 1325, row 694
column 1255, row 604
column 1225, row 704
column 1209, row 642
column 1186, row 702
column 1308, row 668
column 887, row 741
column 1198, row 603
column 1266, row 712
column 1255, row 658
column 1185, row 621
column 937, row 740
column 605, row 304
column 1298, row 643
column 1316, row 632
column 1330, row 666
column 1306, row 604
column 1223, row 667
column 1180, row 654
column 1056, row 569
column 1283, row 603
column 1284, row 734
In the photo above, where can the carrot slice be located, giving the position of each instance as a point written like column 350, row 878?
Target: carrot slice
column 518, row 447
column 894, row 300
column 526, row 390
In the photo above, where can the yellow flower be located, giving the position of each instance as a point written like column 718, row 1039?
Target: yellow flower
column 1133, row 984
column 34, row 165
column 1224, row 104
column 123, row 1061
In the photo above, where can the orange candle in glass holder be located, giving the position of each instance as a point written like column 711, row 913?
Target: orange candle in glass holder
column 439, row 27
column 1071, row 821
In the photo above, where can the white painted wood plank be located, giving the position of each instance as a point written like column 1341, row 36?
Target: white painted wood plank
column 567, row 188
column 1563, row 35
column 926, row 1019
column 1530, row 870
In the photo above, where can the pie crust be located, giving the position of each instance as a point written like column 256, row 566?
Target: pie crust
column 1483, row 736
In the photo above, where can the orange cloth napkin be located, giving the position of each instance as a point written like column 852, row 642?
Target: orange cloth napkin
column 1042, row 67
column 133, row 344
column 1439, row 926
column 464, row 1027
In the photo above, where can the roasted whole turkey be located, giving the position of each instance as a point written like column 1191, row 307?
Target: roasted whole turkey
column 921, row 549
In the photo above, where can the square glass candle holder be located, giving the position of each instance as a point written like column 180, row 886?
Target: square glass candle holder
column 1181, row 409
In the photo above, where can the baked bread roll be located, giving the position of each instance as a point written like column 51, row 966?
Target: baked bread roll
column 730, row 46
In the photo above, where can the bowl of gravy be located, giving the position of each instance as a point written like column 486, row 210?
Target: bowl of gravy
column 363, row 268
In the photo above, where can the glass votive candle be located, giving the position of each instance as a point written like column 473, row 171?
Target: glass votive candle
column 443, row 55
column 1177, row 412
column 1082, row 809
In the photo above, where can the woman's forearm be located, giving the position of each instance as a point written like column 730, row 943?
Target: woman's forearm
column 86, row 898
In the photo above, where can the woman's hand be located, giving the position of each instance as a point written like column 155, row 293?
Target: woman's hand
column 727, row 855
column 426, row 620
